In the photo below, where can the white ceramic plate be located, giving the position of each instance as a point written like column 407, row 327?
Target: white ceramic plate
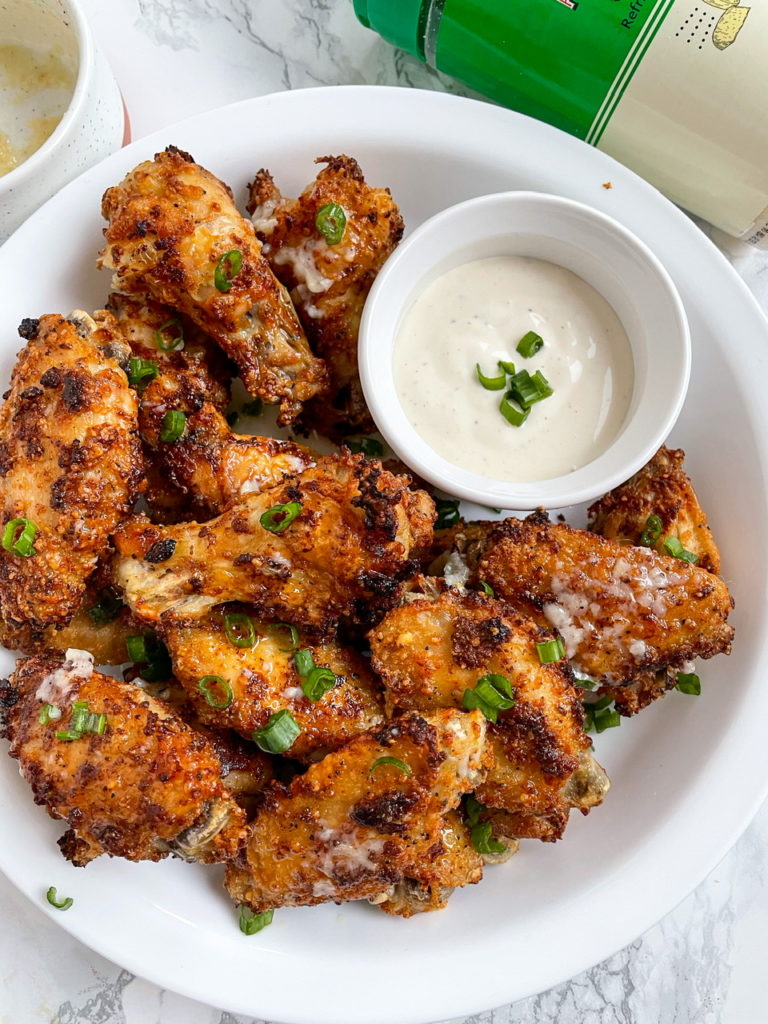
column 687, row 775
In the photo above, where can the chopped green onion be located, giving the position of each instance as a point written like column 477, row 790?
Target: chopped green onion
column 174, row 425
column 507, row 366
column 172, row 341
column 251, row 923
column 491, row 694
column 136, row 646
column 447, row 513
column 472, row 810
column 319, row 681
column 280, row 517
column 82, row 721
column 68, row 735
column 369, row 446
column 141, row 371
column 97, row 724
column 688, row 682
column 150, row 652
column 217, row 691
column 331, row 222
column 486, row 589
column 278, row 734
column 550, row 651
column 49, row 713
column 253, row 408
column 80, row 714
column 511, row 413
column 673, row 547
column 394, row 762
column 53, row 899
column 232, row 417
column 23, row 544
column 527, row 389
column 491, row 383
column 584, row 683
column 483, row 841
column 652, row 531
column 227, row 268
column 239, row 629
column 606, row 719
column 543, row 385
column 529, row 344
column 304, row 662
column 108, row 608
column 293, row 632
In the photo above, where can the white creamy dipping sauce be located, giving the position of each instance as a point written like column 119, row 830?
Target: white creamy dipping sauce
column 477, row 313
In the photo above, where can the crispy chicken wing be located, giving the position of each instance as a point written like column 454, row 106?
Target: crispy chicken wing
column 174, row 233
column 145, row 786
column 620, row 610
column 329, row 282
column 70, row 462
column 263, row 679
column 661, row 489
column 429, row 652
column 346, row 830
column 355, row 528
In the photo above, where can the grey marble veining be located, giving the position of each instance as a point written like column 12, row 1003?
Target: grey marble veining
column 704, row 963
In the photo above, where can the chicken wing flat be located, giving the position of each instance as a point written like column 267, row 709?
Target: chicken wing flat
column 174, row 233
column 354, row 529
column 660, row 489
column 130, row 778
column 70, row 464
column 352, row 827
column 430, row 652
column 620, row 610
column 329, row 280
column 257, row 680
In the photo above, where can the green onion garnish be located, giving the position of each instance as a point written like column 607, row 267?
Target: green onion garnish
column 331, row 222
column 394, row 762
column 511, row 413
column 49, row 713
column 251, row 923
column 280, row 517
column 136, row 646
column 53, row 899
column 673, row 546
column 293, row 633
column 652, row 531
column 491, row 383
column 486, row 588
column 217, row 691
column 491, row 694
column 253, row 408
column 174, row 424
column 688, row 682
column 141, row 371
column 23, row 543
column 319, row 681
column 150, row 652
column 483, row 841
column 507, row 366
column 108, row 608
column 82, row 721
column 304, row 662
column 278, row 734
column 227, row 268
column 239, row 629
column 527, row 389
column 607, row 719
column 369, row 446
column 472, row 810
column 170, row 335
column 447, row 513
column 529, row 344
column 550, row 651
column 584, row 683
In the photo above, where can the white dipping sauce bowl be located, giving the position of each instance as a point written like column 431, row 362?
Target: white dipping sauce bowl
column 605, row 255
column 94, row 123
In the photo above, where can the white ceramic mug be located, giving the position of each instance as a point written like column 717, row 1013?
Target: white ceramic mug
column 94, row 123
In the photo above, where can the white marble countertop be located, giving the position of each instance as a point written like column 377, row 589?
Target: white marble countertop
column 704, row 963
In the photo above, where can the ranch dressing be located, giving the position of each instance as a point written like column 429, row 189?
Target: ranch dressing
column 477, row 313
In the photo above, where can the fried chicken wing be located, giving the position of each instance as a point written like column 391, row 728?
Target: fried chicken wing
column 346, row 830
column 663, row 489
column 430, row 652
column 620, row 610
column 140, row 785
column 70, row 463
column 174, row 233
column 354, row 529
column 263, row 680
column 329, row 282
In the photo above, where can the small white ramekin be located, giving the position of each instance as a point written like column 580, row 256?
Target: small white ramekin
column 93, row 125
column 589, row 243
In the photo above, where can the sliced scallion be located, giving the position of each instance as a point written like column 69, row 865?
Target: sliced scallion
column 447, row 513
column 688, row 682
column 107, row 609
column 486, row 588
column 217, row 691
column 369, row 446
column 304, row 662
column 228, row 267
column 607, row 719
column 511, row 413
column 278, row 734
column 170, row 335
column 529, row 344
column 393, row 762
column 652, row 531
column 174, row 425
column 507, row 366
column 280, row 517
column 318, row 681
column 293, row 634
column 52, row 897
column 674, row 547
column 239, row 629
column 550, row 651
column 49, row 713
column 251, row 923
column 492, row 693
column 331, row 222
column 18, row 537
column 491, row 383
column 483, row 841
column 141, row 372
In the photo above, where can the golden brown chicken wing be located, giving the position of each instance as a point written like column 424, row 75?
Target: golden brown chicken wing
column 431, row 652
column 329, row 280
column 70, row 464
column 260, row 678
column 353, row 827
column 130, row 778
column 320, row 546
column 174, row 233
